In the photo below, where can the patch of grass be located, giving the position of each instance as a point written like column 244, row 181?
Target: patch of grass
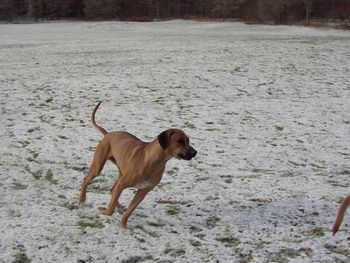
column 19, row 186
column 160, row 100
column 135, row 259
column 262, row 244
column 24, row 143
column 71, row 206
column 226, row 176
column 211, row 198
column 345, row 172
column 212, row 221
column 172, row 171
column 263, row 171
column 96, row 188
column 173, row 211
column 307, row 251
column 37, row 175
column 82, row 169
column 317, row 166
column 260, row 201
column 45, row 119
column 195, row 229
column 228, row 240
column 317, row 231
column 150, row 233
column 33, row 158
column 201, row 179
column 156, row 224
column 297, row 164
column 90, row 222
column 289, row 174
column 140, row 239
column 200, row 236
column 189, row 125
column 338, row 250
column 49, row 177
column 338, row 183
column 20, row 255
column 174, row 252
column 161, row 185
column 31, row 130
column 195, row 243
column 211, row 129
column 132, row 259
column 228, row 180
column 172, row 202
column 49, row 100
column 285, row 254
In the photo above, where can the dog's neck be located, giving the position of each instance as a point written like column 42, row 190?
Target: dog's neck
column 155, row 154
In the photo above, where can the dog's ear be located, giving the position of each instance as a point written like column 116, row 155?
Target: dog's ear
column 164, row 138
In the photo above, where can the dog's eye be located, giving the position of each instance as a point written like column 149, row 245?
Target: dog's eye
column 180, row 142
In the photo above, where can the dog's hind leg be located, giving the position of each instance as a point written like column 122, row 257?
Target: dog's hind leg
column 344, row 204
column 99, row 160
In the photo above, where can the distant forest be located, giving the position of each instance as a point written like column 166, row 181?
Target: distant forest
column 259, row 11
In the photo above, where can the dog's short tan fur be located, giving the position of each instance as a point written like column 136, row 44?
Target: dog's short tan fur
column 342, row 208
column 141, row 164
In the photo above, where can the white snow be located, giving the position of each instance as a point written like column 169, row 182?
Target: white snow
column 266, row 107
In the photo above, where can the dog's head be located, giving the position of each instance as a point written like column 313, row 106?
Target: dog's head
column 176, row 143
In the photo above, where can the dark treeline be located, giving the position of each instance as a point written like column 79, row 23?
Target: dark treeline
column 276, row 11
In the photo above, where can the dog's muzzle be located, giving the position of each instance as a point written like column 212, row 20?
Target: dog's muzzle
column 188, row 155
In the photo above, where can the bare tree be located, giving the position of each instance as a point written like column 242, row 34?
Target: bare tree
column 6, row 10
column 308, row 6
column 37, row 9
column 277, row 11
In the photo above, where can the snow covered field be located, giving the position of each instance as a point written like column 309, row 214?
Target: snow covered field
column 267, row 108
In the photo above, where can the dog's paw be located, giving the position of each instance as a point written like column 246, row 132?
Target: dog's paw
column 81, row 203
column 104, row 211
column 123, row 225
column 335, row 229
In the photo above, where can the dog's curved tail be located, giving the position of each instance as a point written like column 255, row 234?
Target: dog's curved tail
column 344, row 204
column 102, row 130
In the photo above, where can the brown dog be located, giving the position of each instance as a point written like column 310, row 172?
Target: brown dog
column 141, row 164
column 344, row 204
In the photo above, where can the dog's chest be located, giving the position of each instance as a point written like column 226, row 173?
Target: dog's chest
column 151, row 178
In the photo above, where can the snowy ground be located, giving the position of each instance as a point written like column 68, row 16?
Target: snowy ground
column 267, row 108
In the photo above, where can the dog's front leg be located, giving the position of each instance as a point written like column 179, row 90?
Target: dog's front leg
column 139, row 196
column 116, row 192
